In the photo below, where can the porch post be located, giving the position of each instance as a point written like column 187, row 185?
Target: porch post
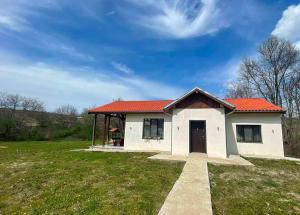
column 123, row 125
column 107, row 132
column 94, row 129
column 104, row 131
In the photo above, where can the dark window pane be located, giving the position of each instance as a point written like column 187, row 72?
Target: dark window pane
column 147, row 122
column 160, row 129
column 257, row 134
column 146, row 130
column 248, row 133
column 239, row 133
column 153, row 128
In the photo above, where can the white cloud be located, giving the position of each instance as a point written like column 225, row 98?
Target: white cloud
column 122, row 67
column 288, row 25
column 178, row 19
column 82, row 87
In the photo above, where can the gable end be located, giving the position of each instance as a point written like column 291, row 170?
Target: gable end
column 197, row 100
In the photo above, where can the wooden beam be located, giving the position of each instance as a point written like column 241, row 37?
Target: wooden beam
column 94, row 129
column 104, row 131
column 123, row 118
column 107, row 132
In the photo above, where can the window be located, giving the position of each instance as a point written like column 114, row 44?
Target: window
column 153, row 129
column 248, row 133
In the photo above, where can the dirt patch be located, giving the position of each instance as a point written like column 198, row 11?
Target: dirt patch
column 3, row 147
column 20, row 165
column 294, row 195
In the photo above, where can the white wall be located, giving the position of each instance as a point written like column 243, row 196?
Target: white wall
column 271, row 132
column 215, row 130
column 134, row 133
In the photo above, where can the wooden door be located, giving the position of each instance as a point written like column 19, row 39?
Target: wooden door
column 198, row 136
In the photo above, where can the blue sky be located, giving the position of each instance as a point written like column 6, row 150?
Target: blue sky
column 90, row 52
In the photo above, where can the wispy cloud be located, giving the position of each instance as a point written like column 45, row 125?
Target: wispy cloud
column 12, row 23
column 51, row 43
column 288, row 25
column 122, row 68
column 15, row 15
column 111, row 13
column 178, row 19
column 83, row 87
column 17, row 22
column 218, row 78
column 224, row 73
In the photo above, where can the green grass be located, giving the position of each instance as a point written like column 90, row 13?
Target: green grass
column 49, row 178
column 271, row 187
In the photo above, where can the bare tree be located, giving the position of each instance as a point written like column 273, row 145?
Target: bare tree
column 239, row 89
column 3, row 100
column 13, row 101
column 16, row 113
column 288, row 90
column 277, row 59
column 296, row 95
column 118, row 99
column 274, row 75
column 17, row 102
column 31, row 104
column 67, row 110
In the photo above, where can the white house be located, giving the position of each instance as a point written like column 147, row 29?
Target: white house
column 199, row 122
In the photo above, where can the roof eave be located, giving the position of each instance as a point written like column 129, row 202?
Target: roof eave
column 259, row 111
column 123, row 112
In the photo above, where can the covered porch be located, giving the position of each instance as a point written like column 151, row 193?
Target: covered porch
column 112, row 129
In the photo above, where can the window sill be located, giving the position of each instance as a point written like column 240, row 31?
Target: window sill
column 250, row 142
column 152, row 138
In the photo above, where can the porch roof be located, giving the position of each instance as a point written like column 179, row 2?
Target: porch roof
column 156, row 106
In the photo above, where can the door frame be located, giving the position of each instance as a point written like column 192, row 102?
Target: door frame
column 190, row 136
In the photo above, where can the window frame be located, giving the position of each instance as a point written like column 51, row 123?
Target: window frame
column 243, row 140
column 157, row 136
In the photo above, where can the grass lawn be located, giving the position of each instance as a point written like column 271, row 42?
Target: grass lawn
column 48, row 178
column 271, row 187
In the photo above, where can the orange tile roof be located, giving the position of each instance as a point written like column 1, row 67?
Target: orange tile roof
column 253, row 105
column 157, row 106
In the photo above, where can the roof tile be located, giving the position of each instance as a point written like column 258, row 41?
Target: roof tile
column 132, row 107
column 157, row 106
column 253, row 105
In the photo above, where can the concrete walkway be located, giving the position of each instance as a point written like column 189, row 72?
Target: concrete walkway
column 231, row 160
column 191, row 192
column 273, row 157
column 112, row 148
